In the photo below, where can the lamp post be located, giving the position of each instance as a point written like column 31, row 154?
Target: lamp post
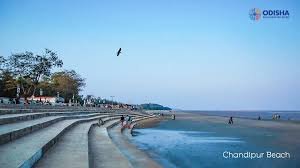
column 18, row 91
column 112, row 100
column 18, row 94
column 41, row 92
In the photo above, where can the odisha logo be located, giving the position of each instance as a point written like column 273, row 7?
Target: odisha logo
column 255, row 14
column 276, row 14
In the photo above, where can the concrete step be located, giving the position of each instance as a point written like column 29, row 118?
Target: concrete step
column 136, row 157
column 72, row 148
column 140, row 119
column 12, row 118
column 53, row 109
column 10, row 132
column 103, row 152
column 128, row 132
column 27, row 150
column 135, row 119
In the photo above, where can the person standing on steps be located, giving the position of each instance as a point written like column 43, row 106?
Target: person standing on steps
column 122, row 120
column 100, row 122
column 129, row 122
column 126, row 120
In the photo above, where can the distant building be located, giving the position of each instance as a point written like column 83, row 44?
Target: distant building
column 47, row 99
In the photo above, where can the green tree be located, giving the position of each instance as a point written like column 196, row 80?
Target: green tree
column 2, row 63
column 8, row 85
column 67, row 83
column 28, row 69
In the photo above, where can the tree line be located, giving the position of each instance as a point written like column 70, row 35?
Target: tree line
column 29, row 74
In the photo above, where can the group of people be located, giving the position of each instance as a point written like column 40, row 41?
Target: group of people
column 275, row 117
column 126, row 121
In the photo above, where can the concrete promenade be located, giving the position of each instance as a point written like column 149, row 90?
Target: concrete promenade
column 63, row 137
column 136, row 157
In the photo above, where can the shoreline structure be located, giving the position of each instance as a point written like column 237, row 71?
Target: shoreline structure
column 47, row 137
column 113, row 137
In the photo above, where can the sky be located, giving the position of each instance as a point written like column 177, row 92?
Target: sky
column 185, row 54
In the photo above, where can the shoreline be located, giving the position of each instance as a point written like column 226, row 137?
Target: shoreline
column 265, row 115
column 285, row 134
column 286, row 128
column 282, row 124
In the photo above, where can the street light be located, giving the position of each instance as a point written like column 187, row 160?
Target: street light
column 18, row 91
column 112, row 100
column 18, row 94
column 41, row 92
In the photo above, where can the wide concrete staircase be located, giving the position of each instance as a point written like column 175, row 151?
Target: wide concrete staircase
column 60, row 138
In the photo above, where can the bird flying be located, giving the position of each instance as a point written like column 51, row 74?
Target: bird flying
column 119, row 52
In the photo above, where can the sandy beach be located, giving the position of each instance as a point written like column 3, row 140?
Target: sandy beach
column 289, row 130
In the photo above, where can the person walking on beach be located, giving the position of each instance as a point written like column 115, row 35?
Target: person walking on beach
column 230, row 120
column 122, row 120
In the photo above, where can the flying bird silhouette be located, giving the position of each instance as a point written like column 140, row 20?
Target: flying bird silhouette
column 119, row 52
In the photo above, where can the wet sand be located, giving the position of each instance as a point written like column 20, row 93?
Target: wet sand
column 255, row 136
column 289, row 131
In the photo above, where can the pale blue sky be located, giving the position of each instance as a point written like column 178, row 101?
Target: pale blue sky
column 187, row 54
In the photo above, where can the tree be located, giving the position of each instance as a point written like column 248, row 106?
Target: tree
column 29, row 69
column 7, row 85
column 2, row 63
column 151, row 106
column 67, row 83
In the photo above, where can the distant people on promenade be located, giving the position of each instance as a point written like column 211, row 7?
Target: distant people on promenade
column 230, row 120
column 122, row 120
column 259, row 118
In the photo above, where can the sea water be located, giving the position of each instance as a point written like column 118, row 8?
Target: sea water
column 185, row 144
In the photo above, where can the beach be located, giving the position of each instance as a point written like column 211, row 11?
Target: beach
column 196, row 140
column 289, row 130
